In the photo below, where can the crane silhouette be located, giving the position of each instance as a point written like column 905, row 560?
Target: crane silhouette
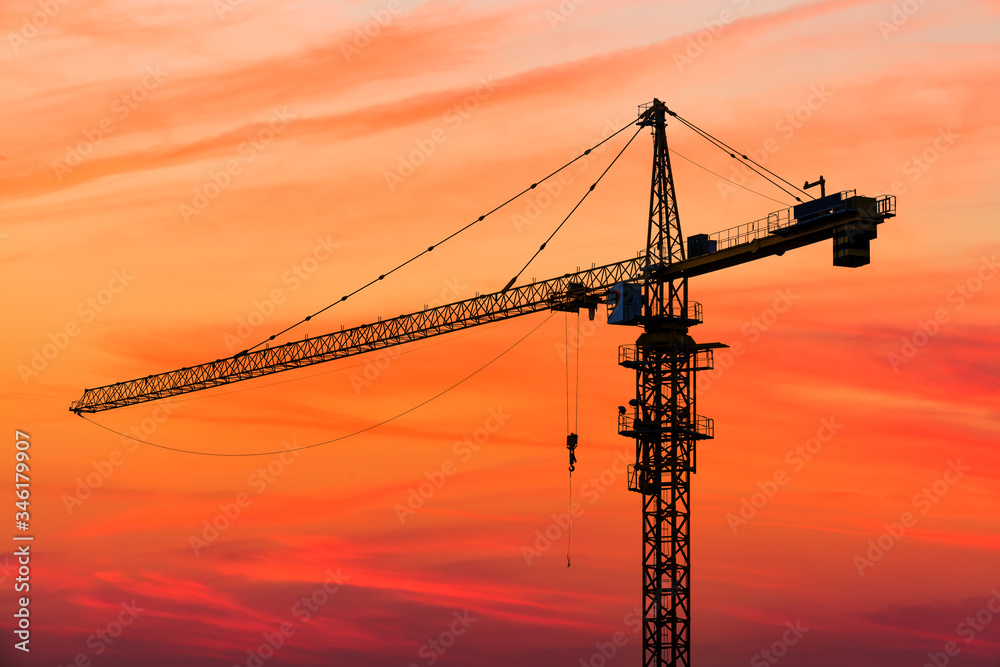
column 649, row 291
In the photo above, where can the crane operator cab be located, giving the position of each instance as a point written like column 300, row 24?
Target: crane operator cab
column 624, row 303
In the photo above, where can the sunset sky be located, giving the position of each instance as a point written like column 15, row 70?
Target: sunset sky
column 180, row 180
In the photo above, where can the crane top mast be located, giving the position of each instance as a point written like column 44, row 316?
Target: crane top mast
column 664, row 239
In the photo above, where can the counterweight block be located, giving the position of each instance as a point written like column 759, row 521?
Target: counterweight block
column 852, row 244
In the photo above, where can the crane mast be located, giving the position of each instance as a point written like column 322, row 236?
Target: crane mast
column 663, row 421
column 649, row 291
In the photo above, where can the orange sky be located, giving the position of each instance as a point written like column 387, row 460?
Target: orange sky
column 173, row 170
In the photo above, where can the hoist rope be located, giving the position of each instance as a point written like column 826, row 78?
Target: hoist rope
column 576, row 420
column 569, row 507
column 566, row 343
column 572, row 437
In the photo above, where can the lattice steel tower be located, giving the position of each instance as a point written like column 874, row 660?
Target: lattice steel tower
column 663, row 420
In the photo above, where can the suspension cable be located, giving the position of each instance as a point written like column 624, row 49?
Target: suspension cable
column 585, row 195
column 442, row 241
column 735, row 154
column 760, row 194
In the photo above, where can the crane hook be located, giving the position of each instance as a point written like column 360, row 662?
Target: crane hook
column 571, row 442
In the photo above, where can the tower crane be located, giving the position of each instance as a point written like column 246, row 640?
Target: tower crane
column 649, row 291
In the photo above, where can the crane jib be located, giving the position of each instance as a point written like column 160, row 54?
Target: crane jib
column 539, row 296
column 584, row 289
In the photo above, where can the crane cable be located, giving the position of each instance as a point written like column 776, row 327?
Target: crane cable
column 589, row 190
column 735, row 154
column 343, row 437
column 717, row 142
column 571, row 436
column 729, row 180
column 439, row 243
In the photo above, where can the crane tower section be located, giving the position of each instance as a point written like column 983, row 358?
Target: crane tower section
column 663, row 420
